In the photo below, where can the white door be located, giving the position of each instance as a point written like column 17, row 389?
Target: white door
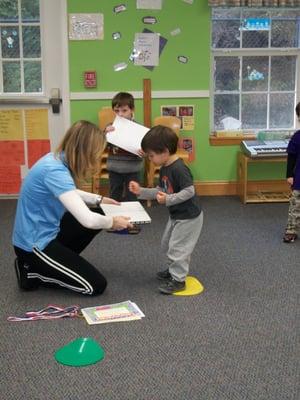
column 33, row 74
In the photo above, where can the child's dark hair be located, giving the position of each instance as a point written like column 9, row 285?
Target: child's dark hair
column 159, row 139
column 123, row 99
column 297, row 109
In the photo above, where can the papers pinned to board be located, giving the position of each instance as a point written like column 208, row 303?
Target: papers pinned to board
column 125, row 311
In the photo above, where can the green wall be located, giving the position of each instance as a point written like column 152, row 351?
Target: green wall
column 212, row 163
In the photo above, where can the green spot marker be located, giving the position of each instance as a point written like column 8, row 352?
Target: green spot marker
column 80, row 352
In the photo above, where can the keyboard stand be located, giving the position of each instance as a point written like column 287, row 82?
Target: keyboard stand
column 259, row 196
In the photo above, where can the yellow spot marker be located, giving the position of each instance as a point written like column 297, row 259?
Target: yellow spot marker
column 192, row 287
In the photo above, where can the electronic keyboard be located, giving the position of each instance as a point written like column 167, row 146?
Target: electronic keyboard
column 264, row 148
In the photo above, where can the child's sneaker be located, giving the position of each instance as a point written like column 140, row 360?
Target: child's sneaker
column 164, row 275
column 289, row 237
column 23, row 281
column 172, row 286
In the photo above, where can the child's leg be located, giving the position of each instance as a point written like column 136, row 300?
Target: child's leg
column 184, row 236
column 166, row 239
column 116, row 185
column 293, row 222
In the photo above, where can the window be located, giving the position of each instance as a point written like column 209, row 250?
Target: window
column 256, row 68
column 20, row 47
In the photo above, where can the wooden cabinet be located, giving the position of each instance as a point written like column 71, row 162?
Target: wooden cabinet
column 258, row 196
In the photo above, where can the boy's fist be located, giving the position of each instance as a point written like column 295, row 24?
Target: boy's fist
column 161, row 197
column 134, row 187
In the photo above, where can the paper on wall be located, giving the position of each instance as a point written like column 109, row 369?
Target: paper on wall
column 127, row 134
column 86, row 26
column 148, row 4
column 162, row 43
column 120, row 66
column 175, row 32
column 147, row 47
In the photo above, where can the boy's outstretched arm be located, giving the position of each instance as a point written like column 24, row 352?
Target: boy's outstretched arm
column 134, row 188
column 177, row 198
column 141, row 192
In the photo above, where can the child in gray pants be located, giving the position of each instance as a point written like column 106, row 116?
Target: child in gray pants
column 176, row 190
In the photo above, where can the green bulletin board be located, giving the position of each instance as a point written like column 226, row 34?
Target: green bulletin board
column 212, row 163
column 102, row 55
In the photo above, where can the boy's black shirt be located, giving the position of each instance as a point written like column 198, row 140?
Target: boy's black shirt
column 172, row 179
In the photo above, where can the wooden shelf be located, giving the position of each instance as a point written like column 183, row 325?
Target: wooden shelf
column 259, row 196
column 268, row 197
column 229, row 141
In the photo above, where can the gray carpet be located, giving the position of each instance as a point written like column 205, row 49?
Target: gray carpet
column 238, row 340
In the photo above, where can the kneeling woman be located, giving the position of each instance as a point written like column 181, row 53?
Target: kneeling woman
column 54, row 224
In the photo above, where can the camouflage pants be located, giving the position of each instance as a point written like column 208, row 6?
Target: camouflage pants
column 293, row 223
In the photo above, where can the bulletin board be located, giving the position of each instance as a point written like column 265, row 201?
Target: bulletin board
column 178, row 23
column 193, row 19
column 185, row 29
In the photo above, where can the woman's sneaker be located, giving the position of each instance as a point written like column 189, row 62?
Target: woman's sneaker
column 172, row 286
column 290, row 237
column 24, row 282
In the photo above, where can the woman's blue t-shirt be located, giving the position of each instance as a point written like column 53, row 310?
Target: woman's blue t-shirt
column 39, row 210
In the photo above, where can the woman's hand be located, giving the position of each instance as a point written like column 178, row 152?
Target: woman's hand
column 290, row 181
column 161, row 197
column 108, row 200
column 134, row 187
column 120, row 223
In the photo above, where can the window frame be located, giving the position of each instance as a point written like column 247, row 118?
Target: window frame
column 255, row 52
column 22, row 94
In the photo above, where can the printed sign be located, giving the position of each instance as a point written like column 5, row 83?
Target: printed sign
column 90, row 79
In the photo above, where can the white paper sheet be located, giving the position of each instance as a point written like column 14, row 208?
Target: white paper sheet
column 127, row 134
column 132, row 209
column 147, row 47
column 148, row 4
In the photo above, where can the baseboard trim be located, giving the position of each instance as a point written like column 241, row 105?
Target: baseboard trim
column 219, row 188
column 229, row 188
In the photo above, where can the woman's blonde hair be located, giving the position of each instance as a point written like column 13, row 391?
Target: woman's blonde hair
column 82, row 147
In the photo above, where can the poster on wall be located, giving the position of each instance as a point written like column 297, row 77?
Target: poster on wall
column 148, row 4
column 146, row 46
column 184, row 112
column 162, row 42
column 188, row 144
column 24, row 138
column 86, row 27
